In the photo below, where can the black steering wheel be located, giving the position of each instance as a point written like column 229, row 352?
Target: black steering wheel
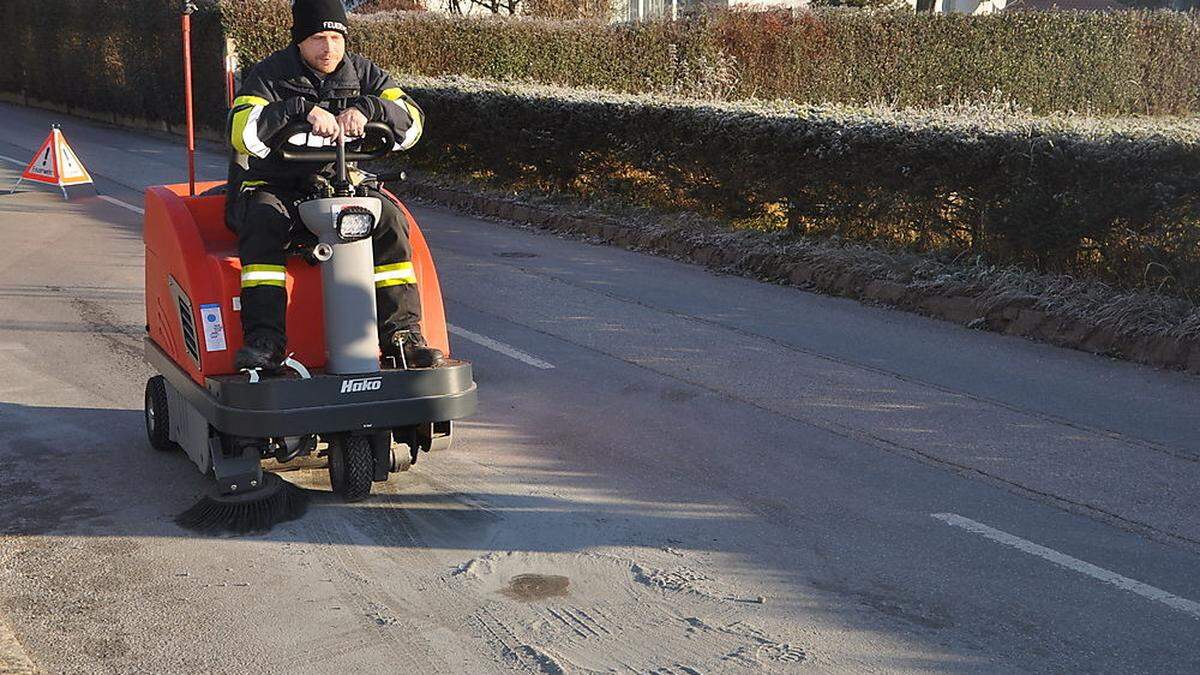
column 377, row 142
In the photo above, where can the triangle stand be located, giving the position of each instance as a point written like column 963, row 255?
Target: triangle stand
column 55, row 163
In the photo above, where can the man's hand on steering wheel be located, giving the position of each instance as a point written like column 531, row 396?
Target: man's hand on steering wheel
column 353, row 122
column 324, row 124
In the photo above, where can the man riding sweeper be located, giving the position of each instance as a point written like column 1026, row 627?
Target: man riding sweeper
column 343, row 260
column 310, row 80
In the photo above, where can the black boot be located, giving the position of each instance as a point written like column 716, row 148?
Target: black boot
column 408, row 347
column 260, row 352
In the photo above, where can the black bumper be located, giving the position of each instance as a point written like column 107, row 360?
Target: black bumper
column 291, row 406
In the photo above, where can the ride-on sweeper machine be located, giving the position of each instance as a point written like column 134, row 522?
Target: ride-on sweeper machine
column 367, row 417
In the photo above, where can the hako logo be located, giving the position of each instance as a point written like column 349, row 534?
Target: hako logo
column 362, row 384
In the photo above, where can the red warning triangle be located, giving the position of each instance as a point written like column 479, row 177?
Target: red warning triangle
column 42, row 169
column 56, row 164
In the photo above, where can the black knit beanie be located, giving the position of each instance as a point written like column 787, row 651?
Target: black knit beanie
column 315, row 16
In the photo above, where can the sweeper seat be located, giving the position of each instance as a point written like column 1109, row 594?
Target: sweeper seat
column 193, row 282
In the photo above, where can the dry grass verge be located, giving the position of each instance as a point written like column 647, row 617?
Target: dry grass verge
column 1146, row 328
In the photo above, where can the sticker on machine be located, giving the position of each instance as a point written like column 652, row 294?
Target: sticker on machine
column 214, row 328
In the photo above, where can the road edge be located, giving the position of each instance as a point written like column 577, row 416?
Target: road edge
column 1013, row 317
column 739, row 255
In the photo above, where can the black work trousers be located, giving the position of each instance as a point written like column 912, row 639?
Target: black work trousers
column 266, row 221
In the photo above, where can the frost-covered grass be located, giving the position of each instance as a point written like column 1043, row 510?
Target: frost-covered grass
column 1126, row 312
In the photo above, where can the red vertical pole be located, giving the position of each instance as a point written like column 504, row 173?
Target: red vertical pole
column 188, row 8
column 230, row 69
column 229, row 85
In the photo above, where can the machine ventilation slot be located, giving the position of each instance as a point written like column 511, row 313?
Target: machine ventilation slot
column 187, row 321
column 189, row 330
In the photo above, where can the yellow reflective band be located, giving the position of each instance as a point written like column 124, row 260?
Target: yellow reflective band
column 418, row 124
column 243, row 130
column 264, row 268
column 264, row 275
column 396, row 274
column 388, row 283
column 414, row 113
column 236, row 130
column 253, row 183
column 393, row 267
column 249, row 100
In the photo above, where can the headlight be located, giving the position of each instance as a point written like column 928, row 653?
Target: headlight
column 355, row 222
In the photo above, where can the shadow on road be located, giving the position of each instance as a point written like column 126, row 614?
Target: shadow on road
column 90, row 472
column 85, row 472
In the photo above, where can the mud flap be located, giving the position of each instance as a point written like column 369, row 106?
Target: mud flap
column 381, row 448
column 432, row 437
column 441, row 435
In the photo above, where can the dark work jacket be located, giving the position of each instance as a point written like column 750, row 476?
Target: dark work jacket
column 282, row 89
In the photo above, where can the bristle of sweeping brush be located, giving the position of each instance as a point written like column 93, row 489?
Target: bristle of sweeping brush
column 278, row 502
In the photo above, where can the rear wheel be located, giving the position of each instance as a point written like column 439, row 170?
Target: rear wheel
column 351, row 466
column 158, row 421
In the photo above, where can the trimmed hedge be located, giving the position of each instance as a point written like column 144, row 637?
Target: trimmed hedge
column 1119, row 203
column 568, row 9
column 1101, row 63
column 1105, row 63
column 1114, row 200
column 120, row 57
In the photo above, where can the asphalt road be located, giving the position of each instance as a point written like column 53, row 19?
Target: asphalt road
column 731, row 477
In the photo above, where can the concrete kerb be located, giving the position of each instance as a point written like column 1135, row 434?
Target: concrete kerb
column 737, row 255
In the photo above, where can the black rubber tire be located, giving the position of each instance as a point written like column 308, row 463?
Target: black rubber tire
column 157, row 415
column 351, row 467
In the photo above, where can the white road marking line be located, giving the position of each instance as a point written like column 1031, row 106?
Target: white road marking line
column 1073, row 564
column 14, row 161
column 124, row 205
column 504, row 349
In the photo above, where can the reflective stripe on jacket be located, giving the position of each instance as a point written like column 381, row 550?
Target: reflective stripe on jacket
column 282, row 89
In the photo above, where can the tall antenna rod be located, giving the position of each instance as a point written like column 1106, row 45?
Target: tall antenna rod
column 188, row 8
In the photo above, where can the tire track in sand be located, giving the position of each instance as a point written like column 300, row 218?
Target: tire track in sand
column 393, row 528
column 375, row 609
column 618, row 614
column 623, row 616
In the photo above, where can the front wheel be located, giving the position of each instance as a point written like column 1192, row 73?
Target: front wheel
column 157, row 415
column 351, row 466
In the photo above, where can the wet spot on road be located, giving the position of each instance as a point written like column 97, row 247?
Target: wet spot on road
column 531, row 587
column 678, row 395
column 889, row 601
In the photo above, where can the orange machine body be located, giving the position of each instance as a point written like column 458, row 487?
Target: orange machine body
column 192, row 263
